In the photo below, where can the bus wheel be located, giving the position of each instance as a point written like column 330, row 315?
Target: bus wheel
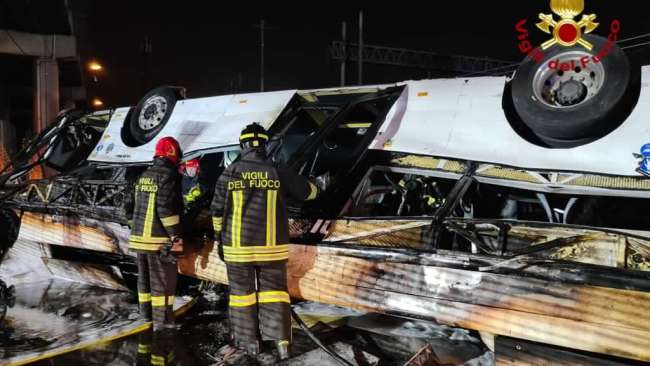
column 152, row 113
column 573, row 95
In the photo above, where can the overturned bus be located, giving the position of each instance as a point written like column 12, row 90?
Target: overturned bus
column 514, row 206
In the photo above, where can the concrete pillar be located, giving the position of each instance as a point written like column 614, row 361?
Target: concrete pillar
column 46, row 92
column 7, row 130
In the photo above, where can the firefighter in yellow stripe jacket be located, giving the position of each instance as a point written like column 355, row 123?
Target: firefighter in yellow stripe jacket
column 251, row 223
column 156, row 233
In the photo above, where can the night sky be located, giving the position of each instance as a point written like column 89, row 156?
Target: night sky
column 204, row 46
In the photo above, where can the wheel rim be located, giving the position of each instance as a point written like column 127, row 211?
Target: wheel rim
column 153, row 112
column 568, row 87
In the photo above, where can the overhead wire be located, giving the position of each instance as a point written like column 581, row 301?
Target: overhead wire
column 506, row 67
column 490, row 70
column 635, row 45
column 635, row 37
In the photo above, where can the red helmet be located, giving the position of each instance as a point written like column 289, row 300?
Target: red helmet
column 168, row 148
column 191, row 168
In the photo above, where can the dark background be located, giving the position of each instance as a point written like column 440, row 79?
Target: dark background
column 203, row 46
column 212, row 48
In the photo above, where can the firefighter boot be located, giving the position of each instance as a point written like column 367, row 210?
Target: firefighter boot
column 283, row 349
column 251, row 348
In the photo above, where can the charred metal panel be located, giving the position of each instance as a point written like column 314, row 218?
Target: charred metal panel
column 391, row 233
column 545, row 181
column 77, row 232
column 511, row 352
column 582, row 245
column 90, row 274
column 544, row 311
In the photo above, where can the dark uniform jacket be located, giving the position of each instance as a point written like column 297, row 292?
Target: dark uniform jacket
column 249, row 208
column 157, row 206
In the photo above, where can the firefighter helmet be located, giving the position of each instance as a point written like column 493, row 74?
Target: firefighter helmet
column 168, row 148
column 253, row 136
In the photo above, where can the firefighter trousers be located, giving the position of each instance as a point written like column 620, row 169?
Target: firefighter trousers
column 156, row 288
column 144, row 348
column 259, row 303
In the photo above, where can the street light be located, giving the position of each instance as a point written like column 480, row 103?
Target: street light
column 94, row 66
column 95, row 69
column 97, row 103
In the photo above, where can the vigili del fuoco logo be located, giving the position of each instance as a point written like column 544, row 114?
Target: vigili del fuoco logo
column 566, row 32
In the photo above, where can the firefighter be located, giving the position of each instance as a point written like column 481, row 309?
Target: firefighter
column 420, row 196
column 191, row 185
column 156, row 233
column 252, row 228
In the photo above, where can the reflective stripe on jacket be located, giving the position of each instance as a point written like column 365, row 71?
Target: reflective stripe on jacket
column 249, row 208
column 157, row 207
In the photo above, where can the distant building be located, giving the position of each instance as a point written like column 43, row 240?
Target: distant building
column 42, row 66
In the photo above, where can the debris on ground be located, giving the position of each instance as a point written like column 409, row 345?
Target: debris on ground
column 57, row 303
column 425, row 357
column 317, row 356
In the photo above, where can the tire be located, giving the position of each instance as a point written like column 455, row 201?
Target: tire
column 151, row 114
column 567, row 108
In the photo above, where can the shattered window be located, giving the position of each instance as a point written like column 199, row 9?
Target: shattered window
column 386, row 192
column 498, row 202
column 306, row 122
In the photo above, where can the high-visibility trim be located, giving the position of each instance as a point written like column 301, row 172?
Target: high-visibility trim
column 150, row 240
column 237, row 205
column 249, row 258
column 193, row 194
column 144, row 297
column 256, row 249
column 170, row 220
column 157, row 360
column 160, row 300
column 266, row 297
column 356, row 125
column 148, row 219
column 283, row 252
column 271, row 200
column 145, row 246
column 144, row 348
column 240, row 301
column 217, row 223
column 313, row 191
column 283, row 342
column 268, row 218
column 163, row 360
column 149, row 244
column 254, row 135
column 430, row 199
column 274, row 215
column 146, row 241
